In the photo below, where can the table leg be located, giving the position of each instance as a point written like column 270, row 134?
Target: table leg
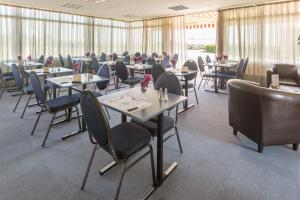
column 216, row 80
column 186, row 106
column 83, row 125
column 160, row 149
column 124, row 118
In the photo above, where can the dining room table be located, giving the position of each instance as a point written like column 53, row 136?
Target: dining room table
column 46, row 72
column 183, row 74
column 139, row 67
column 77, row 83
column 223, row 67
column 143, row 105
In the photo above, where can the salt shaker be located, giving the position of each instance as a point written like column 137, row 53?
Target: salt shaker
column 160, row 94
column 166, row 98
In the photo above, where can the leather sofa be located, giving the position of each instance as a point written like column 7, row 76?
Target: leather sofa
column 288, row 74
column 266, row 116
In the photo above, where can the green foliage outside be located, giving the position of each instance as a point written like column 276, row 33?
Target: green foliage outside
column 207, row 48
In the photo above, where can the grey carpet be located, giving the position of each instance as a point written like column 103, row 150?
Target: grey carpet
column 215, row 164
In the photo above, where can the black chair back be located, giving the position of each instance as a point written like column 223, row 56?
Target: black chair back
column 201, row 64
column 208, row 60
column 41, row 59
column 103, row 57
column 137, row 54
column 1, row 73
column 126, row 60
column 125, row 53
column 151, row 61
column 104, row 71
column 95, row 119
column 239, row 72
column 192, row 65
column 121, row 70
column 37, row 88
column 156, row 71
column 93, row 55
column 245, row 65
column 17, row 77
column 170, row 81
column 61, row 59
column 70, row 61
column 95, row 65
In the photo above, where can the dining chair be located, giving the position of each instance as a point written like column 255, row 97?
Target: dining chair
column 103, row 57
column 4, row 79
column 52, row 106
column 174, row 60
column 41, row 60
column 237, row 75
column 166, row 61
column 170, row 81
column 192, row 65
column 95, row 65
column 156, row 71
column 61, row 59
column 123, row 142
column 126, row 60
column 104, row 71
column 70, row 62
column 245, row 65
column 122, row 74
column 125, row 53
column 204, row 75
column 151, row 61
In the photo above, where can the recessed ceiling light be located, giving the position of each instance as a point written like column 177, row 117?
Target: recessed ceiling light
column 95, row 1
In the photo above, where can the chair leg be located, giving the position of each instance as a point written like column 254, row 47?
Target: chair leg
column 3, row 88
column 37, row 120
column 78, row 117
column 196, row 95
column 48, row 131
column 120, row 181
column 235, row 132
column 200, row 83
column 295, row 147
column 25, row 108
column 260, row 148
column 152, row 164
column 17, row 104
column 88, row 167
column 178, row 139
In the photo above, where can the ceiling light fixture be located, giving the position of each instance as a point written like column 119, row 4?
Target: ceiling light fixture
column 95, row 1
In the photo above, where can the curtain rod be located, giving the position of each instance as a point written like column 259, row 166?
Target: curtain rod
column 258, row 4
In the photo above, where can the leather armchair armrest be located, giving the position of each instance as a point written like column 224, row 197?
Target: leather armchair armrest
column 280, row 117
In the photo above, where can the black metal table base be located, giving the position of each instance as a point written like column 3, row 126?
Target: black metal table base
column 167, row 173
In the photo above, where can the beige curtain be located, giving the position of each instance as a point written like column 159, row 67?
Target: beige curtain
column 266, row 34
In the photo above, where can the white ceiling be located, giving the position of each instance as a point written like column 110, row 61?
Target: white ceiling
column 131, row 10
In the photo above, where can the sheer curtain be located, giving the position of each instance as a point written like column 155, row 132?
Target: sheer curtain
column 266, row 33
column 9, row 33
column 135, row 37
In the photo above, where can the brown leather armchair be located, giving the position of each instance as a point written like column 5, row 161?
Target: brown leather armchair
column 266, row 116
column 288, row 74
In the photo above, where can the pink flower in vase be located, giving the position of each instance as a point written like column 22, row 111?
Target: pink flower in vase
column 76, row 68
column 29, row 57
column 144, row 83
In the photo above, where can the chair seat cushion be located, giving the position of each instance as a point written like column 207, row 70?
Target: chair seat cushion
column 127, row 139
column 61, row 103
column 132, row 80
column 151, row 125
column 288, row 82
column 8, row 78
